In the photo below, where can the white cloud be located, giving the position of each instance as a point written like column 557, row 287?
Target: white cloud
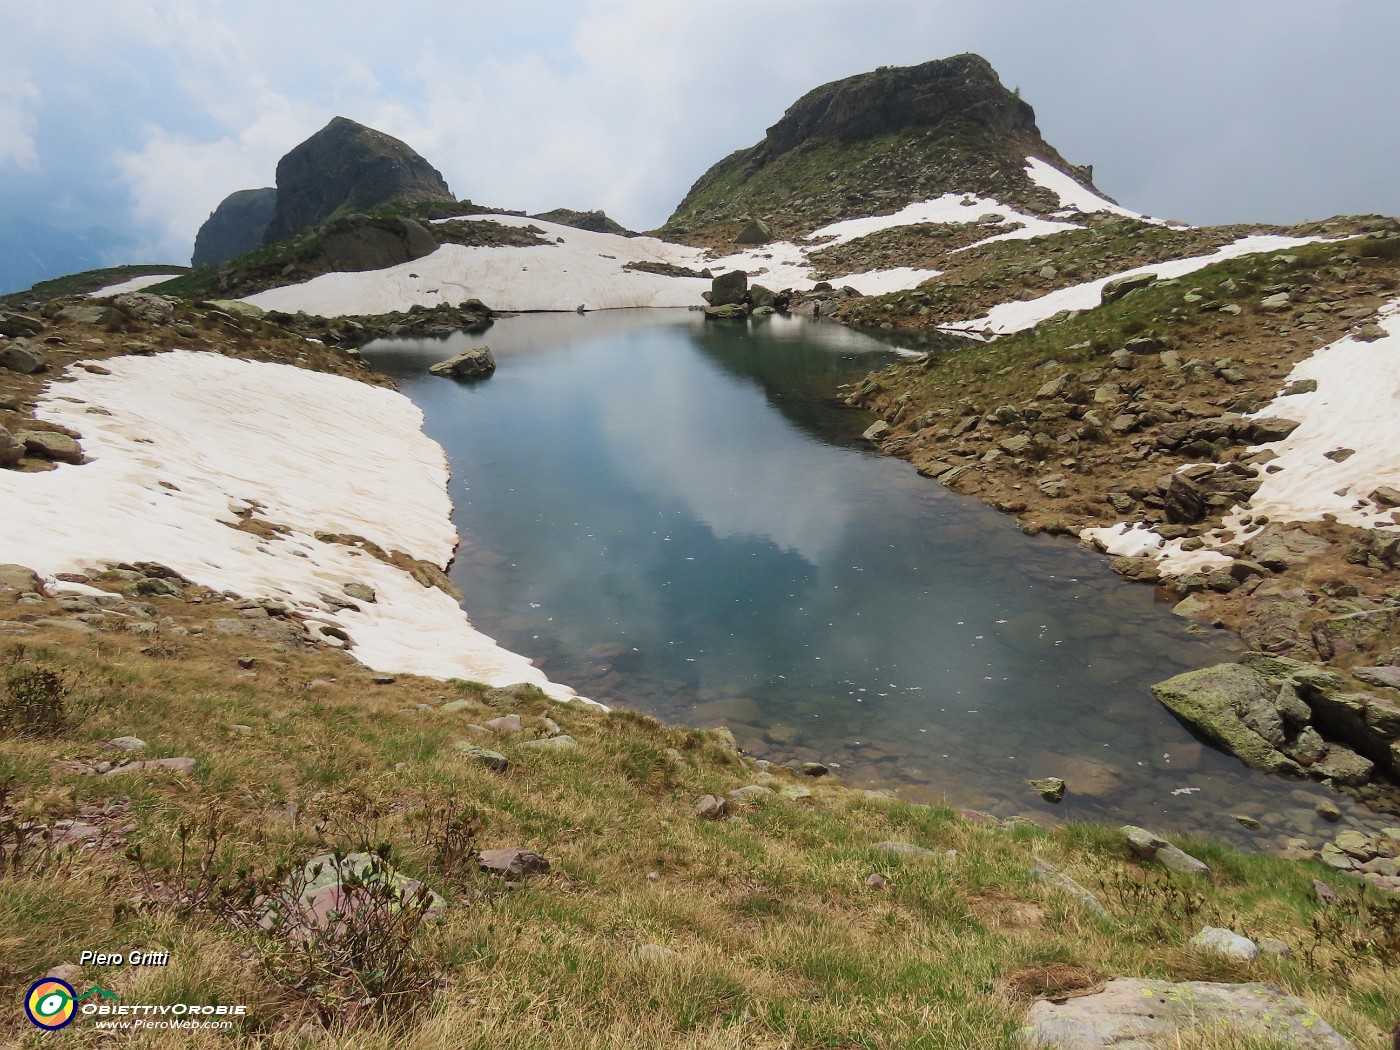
column 18, row 102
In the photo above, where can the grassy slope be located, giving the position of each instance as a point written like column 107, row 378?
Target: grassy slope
column 777, row 940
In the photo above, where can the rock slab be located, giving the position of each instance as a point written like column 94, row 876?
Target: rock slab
column 1137, row 1015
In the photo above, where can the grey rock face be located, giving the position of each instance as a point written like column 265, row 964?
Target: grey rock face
column 347, row 167
column 236, row 226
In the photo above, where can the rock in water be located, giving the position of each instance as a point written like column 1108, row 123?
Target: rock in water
column 347, row 167
column 236, row 226
column 1235, row 707
column 1051, row 789
column 476, row 363
column 729, row 288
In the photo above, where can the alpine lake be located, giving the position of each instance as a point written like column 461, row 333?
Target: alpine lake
column 677, row 516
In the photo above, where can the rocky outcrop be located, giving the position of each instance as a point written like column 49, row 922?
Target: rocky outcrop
column 592, row 221
column 357, row 242
column 236, row 226
column 1286, row 716
column 346, row 167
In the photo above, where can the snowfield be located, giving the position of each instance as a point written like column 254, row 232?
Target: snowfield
column 135, row 284
column 179, row 441
column 1354, row 407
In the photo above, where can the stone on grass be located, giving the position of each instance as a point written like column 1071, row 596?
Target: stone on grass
column 492, row 760
column 711, row 807
column 906, row 849
column 1047, row 872
column 795, row 793
column 511, row 863
column 752, row 793
column 551, row 743
column 506, row 724
column 182, row 766
column 814, row 769
column 1226, row 942
column 1149, row 847
column 1130, row 1012
column 127, row 743
column 877, row 882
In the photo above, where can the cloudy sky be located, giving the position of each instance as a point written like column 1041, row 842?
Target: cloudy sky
column 140, row 115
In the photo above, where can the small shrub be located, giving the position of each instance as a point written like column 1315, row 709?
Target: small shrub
column 33, row 697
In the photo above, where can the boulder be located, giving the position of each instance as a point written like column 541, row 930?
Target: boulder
column 756, row 232
column 476, row 363
column 1152, row 847
column 1052, row 789
column 711, row 807
column 492, row 760
column 877, row 431
column 1121, row 286
column 727, row 311
column 729, row 288
column 1234, row 707
column 1130, row 1012
column 19, row 325
column 20, row 357
column 18, row 579
column 511, row 863
column 1225, row 942
column 50, row 444
column 1263, row 431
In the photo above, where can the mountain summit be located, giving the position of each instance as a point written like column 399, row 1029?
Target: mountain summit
column 346, row 167
column 874, row 142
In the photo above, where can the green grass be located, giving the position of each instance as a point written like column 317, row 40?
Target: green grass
column 776, row 941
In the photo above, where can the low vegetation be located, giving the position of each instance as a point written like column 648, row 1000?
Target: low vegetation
column 651, row 928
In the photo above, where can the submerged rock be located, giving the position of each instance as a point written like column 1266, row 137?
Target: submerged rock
column 476, row 363
column 1234, row 707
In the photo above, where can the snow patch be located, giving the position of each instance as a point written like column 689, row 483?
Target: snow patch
column 1356, row 406
column 190, row 434
column 135, row 284
column 1077, row 198
column 1019, row 316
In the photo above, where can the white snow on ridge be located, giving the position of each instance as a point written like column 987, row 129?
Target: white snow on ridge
column 580, row 268
column 1018, row 316
column 1079, row 198
column 1356, row 406
column 1353, row 407
column 322, row 453
column 135, row 284
column 954, row 209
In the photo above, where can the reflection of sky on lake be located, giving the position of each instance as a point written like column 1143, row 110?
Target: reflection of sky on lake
column 690, row 490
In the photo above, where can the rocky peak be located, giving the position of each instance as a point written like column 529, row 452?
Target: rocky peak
column 346, row 167
column 870, row 144
column 892, row 98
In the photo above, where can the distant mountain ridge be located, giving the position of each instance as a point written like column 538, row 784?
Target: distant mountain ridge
column 236, row 226
column 872, row 143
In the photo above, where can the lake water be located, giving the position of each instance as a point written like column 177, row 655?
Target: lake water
column 676, row 516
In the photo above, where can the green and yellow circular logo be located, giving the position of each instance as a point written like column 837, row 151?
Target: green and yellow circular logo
column 50, row 1003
